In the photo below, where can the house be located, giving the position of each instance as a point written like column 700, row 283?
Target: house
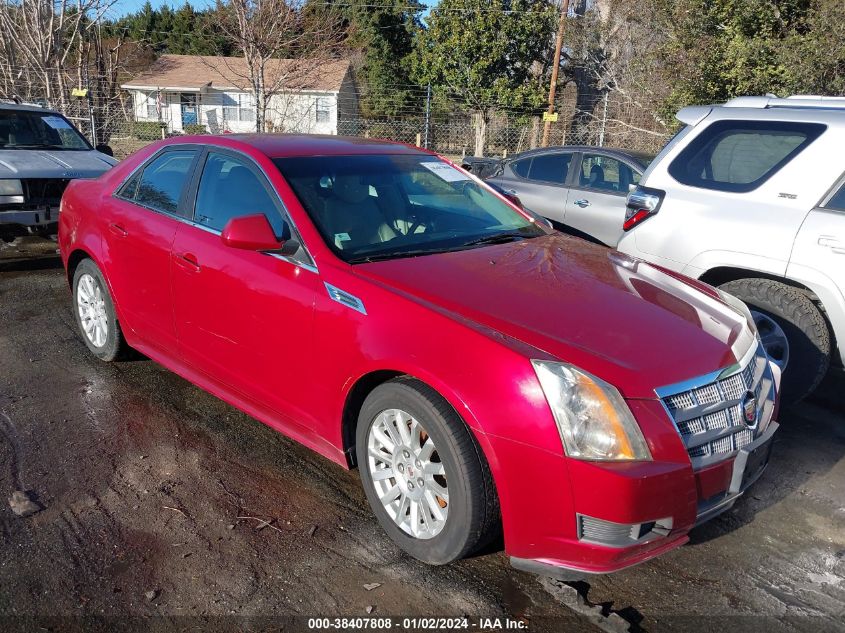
column 305, row 95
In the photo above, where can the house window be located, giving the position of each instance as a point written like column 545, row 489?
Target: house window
column 152, row 105
column 323, row 110
column 238, row 106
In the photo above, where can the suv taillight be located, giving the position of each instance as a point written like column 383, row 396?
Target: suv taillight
column 642, row 203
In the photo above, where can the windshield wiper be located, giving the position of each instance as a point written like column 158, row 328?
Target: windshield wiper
column 375, row 257
column 498, row 238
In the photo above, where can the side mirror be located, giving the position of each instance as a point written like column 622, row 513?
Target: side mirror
column 105, row 149
column 251, row 233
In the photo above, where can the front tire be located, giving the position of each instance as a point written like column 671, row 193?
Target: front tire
column 800, row 321
column 95, row 314
column 424, row 474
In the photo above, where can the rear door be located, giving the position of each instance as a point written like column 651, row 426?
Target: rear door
column 734, row 192
column 596, row 201
column 142, row 220
column 540, row 181
column 818, row 257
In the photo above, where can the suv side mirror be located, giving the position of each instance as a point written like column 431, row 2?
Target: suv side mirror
column 251, row 233
column 105, row 149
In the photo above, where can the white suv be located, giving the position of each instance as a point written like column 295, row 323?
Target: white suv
column 750, row 197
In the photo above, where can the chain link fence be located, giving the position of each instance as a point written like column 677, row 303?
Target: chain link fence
column 614, row 124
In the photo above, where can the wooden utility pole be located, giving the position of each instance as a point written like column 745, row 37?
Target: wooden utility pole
column 564, row 11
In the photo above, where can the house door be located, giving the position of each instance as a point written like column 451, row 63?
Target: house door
column 189, row 108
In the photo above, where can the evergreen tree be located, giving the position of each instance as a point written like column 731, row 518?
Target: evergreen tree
column 385, row 33
column 481, row 54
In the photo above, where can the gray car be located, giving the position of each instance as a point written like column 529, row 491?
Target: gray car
column 40, row 152
column 580, row 188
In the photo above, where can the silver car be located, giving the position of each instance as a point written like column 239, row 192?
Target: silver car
column 40, row 152
column 580, row 188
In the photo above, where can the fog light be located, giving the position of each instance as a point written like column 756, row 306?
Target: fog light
column 610, row 534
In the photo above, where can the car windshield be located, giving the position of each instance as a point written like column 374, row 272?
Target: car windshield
column 25, row 129
column 371, row 207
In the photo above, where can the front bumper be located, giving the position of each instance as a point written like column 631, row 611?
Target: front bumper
column 737, row 476
column 30, row 217
column 637, row 510
column 646, row 503
column 38, row 204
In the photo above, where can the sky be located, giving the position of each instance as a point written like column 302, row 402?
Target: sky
column 124, row 7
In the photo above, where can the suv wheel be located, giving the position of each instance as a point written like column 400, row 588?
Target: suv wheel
column 793, row 331
column 423, row 473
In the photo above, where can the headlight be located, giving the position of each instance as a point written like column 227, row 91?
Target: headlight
column 592, row 417
column 11, row 188
column 738, row 306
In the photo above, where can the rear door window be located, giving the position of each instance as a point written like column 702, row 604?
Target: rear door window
column 739, row 156
column 550, row 168
column 161, row 183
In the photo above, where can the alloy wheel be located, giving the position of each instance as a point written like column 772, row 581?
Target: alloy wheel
column 407, row 473
column 773, row 338
column 91, row 304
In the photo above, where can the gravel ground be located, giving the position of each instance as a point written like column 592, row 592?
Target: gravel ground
column 162, row 507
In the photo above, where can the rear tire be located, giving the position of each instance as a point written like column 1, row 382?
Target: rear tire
column 95, row 315
column 463, row 489
column 803, row 324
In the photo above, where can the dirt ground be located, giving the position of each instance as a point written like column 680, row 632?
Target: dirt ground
column 156, row 499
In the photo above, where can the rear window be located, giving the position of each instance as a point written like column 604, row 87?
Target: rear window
column 159, row 186
column 521, row 167
column 739, row 156
column 551, row 168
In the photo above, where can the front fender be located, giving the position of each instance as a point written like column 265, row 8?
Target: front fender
column 708, row 260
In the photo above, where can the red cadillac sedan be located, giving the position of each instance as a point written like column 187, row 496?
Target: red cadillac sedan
column 484, row 373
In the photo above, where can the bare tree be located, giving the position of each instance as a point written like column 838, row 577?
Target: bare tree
column 267, row 30
column 39, row 36
column 619, row 58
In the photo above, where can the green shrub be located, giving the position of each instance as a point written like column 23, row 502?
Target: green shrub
column 194, row 128
column 147, row 130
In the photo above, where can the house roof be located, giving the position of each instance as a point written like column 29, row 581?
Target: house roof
column 194, row 72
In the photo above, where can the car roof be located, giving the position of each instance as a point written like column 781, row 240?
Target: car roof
column 642, row 158
column 797, row 108
column 291, row 145
column 26, row 107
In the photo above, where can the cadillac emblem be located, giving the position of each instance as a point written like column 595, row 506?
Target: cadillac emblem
column 748, row 406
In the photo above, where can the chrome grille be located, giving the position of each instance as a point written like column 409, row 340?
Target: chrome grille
column 708, row 411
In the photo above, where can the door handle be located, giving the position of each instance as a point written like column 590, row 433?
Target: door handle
column 118, row 230
column 187, row 261
column 833, row 244
column 582, row 203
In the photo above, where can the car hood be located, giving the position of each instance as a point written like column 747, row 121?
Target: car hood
column 616, row 317
column 36, row 163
